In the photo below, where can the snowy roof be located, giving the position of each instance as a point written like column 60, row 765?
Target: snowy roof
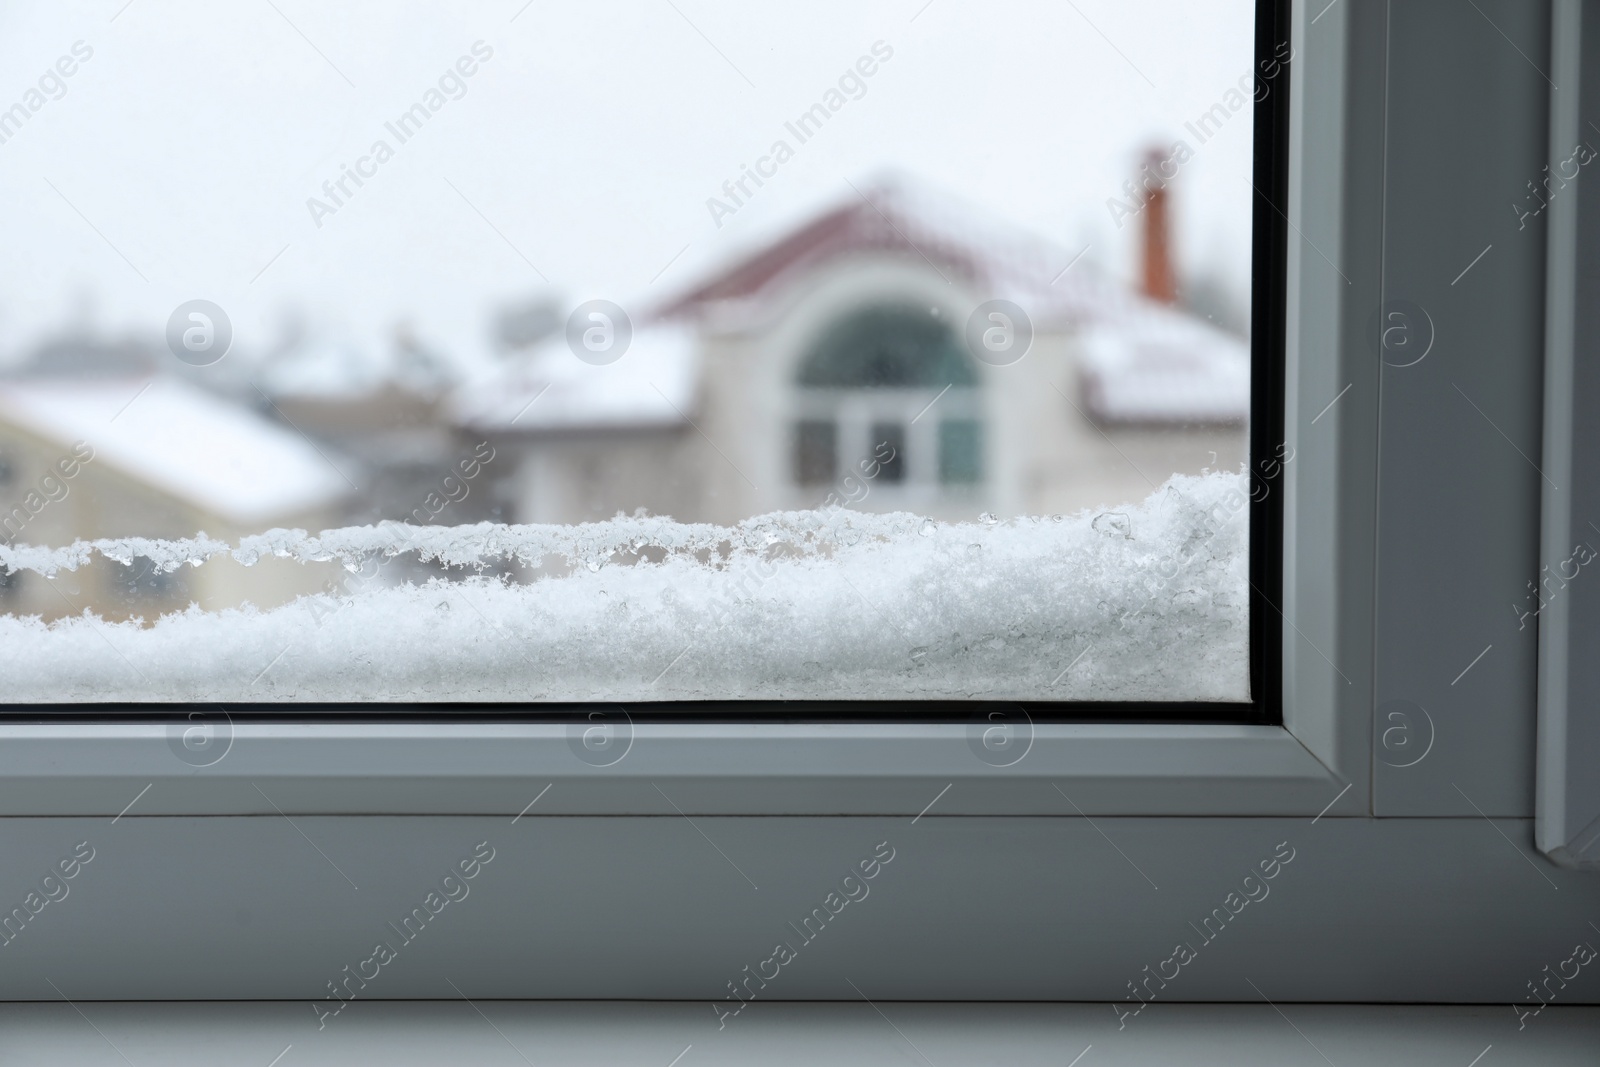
column 549, row 389
column 206, row 451
column 1154, row 364
column 1143, row 362
column 959, row 239
column 325, row 368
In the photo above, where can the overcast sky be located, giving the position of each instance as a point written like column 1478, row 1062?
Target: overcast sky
column 583, row 149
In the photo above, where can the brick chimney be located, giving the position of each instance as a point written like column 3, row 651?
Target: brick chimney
column 1159, row 281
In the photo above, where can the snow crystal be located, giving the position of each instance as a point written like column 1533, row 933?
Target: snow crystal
column 1147, row 603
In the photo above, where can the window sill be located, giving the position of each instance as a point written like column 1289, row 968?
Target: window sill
column 844, row 1033
column 696, row 768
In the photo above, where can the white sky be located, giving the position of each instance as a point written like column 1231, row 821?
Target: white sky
column 591, row 140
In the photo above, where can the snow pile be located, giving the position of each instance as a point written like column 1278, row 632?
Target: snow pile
column 1146, row 604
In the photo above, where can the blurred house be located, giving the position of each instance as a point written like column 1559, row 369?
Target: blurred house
column 581, row 442
column 839, row 361
column 836, row 359
column 383, row 414
column 95, row 444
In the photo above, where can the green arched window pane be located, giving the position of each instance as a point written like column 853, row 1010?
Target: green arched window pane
column 888, row 347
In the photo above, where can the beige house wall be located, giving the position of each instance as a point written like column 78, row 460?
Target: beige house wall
column 590, row 478
column 102, row 501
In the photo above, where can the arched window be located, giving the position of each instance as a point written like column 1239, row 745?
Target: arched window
column 885, row 347
column 887, row 397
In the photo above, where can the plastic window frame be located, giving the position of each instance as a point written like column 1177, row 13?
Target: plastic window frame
column 1317, row 761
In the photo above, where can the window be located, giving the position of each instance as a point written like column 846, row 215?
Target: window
column 690, row 835
column 886, row 422
column 890, row 442
column 816, row 450
column 876, row 371
column 888, row 348
column 140, row 583
column 960, row 451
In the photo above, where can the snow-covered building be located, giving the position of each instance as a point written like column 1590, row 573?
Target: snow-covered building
column 103, row 455
column 585, row 441
column 379, row 405
column 860, row 357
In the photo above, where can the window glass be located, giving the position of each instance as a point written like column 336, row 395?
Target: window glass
column 886, row 347
column 607, row 352
column 960, row 451
column 889, row 449
column 815, row 450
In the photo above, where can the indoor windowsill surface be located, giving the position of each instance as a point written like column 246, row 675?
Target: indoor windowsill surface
column 685, row 1034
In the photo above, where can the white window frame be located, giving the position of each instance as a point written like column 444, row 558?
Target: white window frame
column 874, row 768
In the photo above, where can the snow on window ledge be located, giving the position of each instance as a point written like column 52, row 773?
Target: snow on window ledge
column 1147, row 603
